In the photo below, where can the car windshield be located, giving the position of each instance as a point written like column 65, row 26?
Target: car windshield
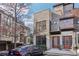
column 18, row 49
column 25, row 48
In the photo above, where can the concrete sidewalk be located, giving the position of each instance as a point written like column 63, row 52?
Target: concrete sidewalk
column 57, row 52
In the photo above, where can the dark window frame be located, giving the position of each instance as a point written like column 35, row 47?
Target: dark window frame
column 67, row 41
column 56, row 42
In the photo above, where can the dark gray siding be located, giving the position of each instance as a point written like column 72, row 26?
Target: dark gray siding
column 55, row 22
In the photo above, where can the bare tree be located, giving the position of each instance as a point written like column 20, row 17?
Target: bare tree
column 21, row 10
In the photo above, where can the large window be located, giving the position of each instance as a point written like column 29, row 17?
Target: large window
column 41, row 40
column 67, row 42
column 55, row 25
column 6, row 25
column 56, row 41
column 40, row 26
column 59, row 10
column 67, row 8
column 37, row 26
column 66, row 24
column 43, row 25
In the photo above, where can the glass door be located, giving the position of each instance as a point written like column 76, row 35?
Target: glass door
column 67, row 42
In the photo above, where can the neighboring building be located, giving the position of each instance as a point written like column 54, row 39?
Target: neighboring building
column 8, row 8
column 7, row 29
column 62, row 8
column 41, row 28
column 22, row 33
column 67, row 36
column 28, row 33
column 69, row 28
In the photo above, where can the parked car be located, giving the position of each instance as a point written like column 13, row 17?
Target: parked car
column 35, row 51
column 29, row 50
column 3, row 53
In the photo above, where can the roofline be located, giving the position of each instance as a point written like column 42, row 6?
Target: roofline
column 41, row 11
column 58, row 4
column 62, row 4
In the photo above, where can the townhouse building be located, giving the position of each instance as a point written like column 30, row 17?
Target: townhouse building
column 41, row 28
column 66, row 37
column 62, row 27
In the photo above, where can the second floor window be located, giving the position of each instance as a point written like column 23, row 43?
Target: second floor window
column 43, row 25
column 67, row 23
column 40, row 26
column 67, row 8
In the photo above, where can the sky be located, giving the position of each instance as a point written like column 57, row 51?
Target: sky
column 40, row 6
column 36, row 7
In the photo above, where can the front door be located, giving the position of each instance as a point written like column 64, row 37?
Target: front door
column 55, row 41
column 41, row 40
column 67, row 42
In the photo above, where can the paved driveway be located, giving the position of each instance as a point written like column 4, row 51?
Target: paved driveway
column 57, row 52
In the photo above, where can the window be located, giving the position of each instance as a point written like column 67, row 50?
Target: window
column 59, row 10
column 41, row 40
column 78, row 38
column 67, row 42
column 38, row 40
column 56, row 41
column 68, row 7
column 37, row 26
column 9, row 21
column 40, row 26
column 67, row 23
column 3, row 27
column 43, row 25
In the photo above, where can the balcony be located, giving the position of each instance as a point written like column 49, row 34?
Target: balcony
column 67, row 24
column 66, row 15
column 71, row 13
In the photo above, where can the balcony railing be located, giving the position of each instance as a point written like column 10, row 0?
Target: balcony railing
column 68, row 14
column 67, row 24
